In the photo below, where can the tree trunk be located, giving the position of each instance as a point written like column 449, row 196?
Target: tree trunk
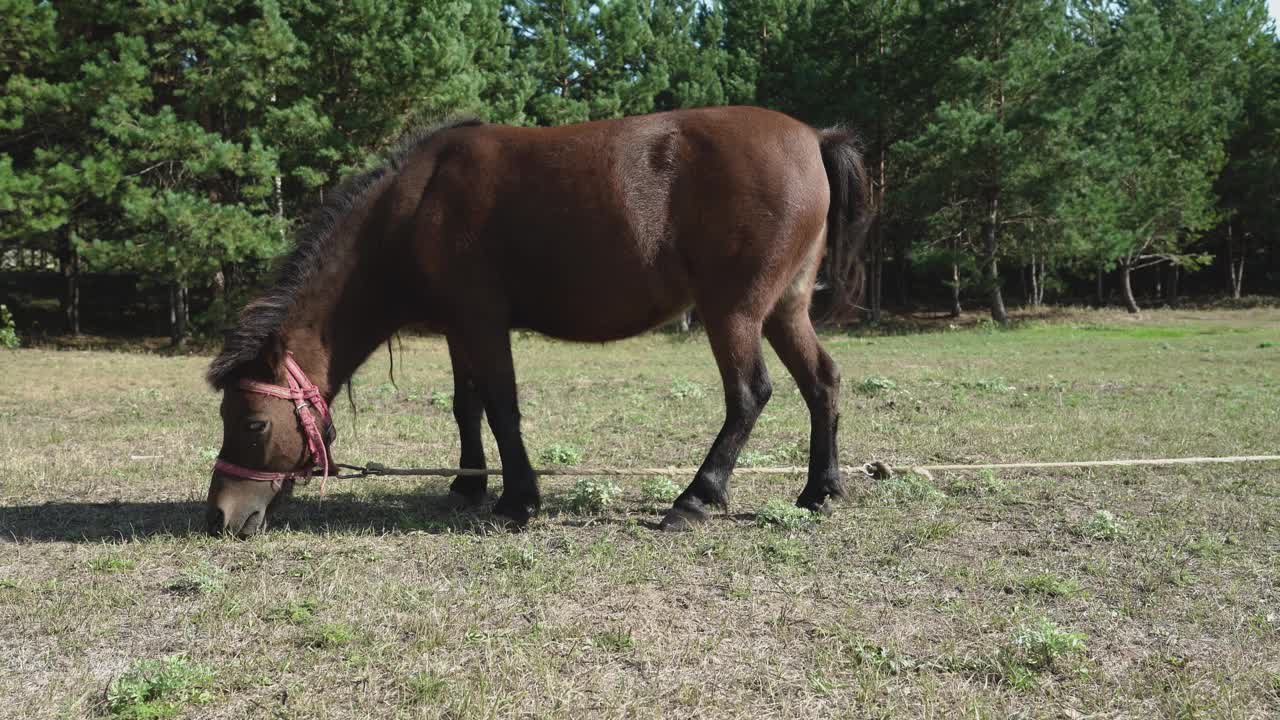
column 1173, row 285
column 177, row 314
column 875, row 284
column 955, row 290
column 1127, row 286
column 903, row 253
column 990, row 269
column 1035, row 284
column 1235, row 263
column 1099, row 290
column 71, row 296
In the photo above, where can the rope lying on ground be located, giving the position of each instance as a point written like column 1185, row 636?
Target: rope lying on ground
column 878, row 470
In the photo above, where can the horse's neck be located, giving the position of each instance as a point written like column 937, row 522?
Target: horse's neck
column 335, row 326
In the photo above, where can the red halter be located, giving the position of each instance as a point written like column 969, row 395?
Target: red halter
column 303, row 393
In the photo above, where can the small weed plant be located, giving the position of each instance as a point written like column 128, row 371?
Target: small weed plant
column 1049, row 585
column 330, row 635
column 8, row 331
column 782, row 515
column 659, row 490
column 108, row 564
column 909, row 488
column 614, row 641
column 561, row 455
column 196, row 580
column 159, row 689
column 682, row 389
column 1102, row 525
column 592, row 496
column 874, row 385
column 294, row 612
column 982, row 484
column 1040, row 643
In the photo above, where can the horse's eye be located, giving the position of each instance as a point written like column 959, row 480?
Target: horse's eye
column 256, row 426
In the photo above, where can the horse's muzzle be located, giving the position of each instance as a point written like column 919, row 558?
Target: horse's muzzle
column 237, row 507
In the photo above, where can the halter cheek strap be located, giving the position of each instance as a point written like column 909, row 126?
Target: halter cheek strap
column 308, row 403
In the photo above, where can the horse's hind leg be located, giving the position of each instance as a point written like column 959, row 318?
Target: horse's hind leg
column 735, row 341
column 468, row 410
column 791, row 334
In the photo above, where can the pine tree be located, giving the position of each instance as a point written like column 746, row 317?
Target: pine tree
column 1250, row 183
column 981, row 154
column 1151, row 126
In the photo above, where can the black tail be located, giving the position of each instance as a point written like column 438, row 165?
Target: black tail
column 848, row 218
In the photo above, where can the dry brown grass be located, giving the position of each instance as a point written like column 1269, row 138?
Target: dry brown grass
column 378, row 601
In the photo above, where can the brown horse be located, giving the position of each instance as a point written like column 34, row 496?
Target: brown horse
column 589, row 232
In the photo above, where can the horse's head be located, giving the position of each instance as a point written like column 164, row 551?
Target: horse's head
column 276, row 430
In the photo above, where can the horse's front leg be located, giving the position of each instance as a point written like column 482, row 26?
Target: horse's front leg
column 488, row 354
column 468, row 410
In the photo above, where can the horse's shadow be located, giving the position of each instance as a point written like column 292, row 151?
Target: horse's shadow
column 119, row 521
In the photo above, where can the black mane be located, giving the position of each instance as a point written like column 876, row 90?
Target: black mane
column 266, row 315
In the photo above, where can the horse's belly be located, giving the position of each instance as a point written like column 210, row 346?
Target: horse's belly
column 573, row 298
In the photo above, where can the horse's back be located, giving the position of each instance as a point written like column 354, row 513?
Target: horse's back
column 604, row 229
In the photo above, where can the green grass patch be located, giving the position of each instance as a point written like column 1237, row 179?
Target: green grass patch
column 1048, row 585
column 784, row 515
column 427, row 688
column 159, row 689
column 108, row 564
column 560, row 454
column 294, row 612
column 199, row 579
column 592, row 496
column 330, row 636
column 1102, row 525
column 659, row 490
column 614, row 640
column 874, row 385
column 907, row 489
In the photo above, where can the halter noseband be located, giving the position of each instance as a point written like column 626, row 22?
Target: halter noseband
column 304, row 394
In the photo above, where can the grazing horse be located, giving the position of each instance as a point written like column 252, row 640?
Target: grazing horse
column 590, row 232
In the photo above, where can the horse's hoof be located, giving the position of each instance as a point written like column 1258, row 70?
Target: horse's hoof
column 680, row 519
column 822, row 507
column 462, row 501
column 516, row 513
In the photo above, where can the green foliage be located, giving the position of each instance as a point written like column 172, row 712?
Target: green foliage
column 196, row 580
column 1102, row 525
column 427, row 687
column 783, row 515
column 614, row 640
column 874, row 385
column 1049, row 585
column 909, row 488
column 682, row 389
column 183, row 141
column 561, row 455
column 8, row 332
column 659, row 490
column 108, row 564
column 983, row 482
column 1040, row 643
column 330, row 635
column 294, row 612
column 591, row 496
column 159, row 689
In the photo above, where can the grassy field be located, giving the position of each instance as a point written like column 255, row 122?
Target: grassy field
column 1109, row 593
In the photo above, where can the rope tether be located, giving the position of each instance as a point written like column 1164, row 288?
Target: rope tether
column 877, row 469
